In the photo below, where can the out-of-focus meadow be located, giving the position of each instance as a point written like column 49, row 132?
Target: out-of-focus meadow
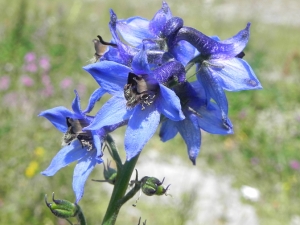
column 43, row 46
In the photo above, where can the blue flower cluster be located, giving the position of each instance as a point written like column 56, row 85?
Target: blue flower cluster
column 146, row 75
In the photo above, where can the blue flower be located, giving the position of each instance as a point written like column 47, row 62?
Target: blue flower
column 198, row 115
column 220, row 65
column 139, row 96
column 160, row 32
column 83, row 146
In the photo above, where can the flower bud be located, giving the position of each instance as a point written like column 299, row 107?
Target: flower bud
column 110, row 174
column 62, row 208
column 153, row 186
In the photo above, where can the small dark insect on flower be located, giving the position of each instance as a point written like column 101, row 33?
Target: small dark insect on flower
column 100, row 47
column 75, row 127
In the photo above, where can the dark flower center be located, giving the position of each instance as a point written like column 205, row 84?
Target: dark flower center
column 74, row 131
column 139, row 90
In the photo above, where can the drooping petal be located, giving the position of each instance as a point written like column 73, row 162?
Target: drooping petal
column 112, row 112
column 81, row 172
column 157, row 23
column 57, row 116
column 96, row 96
column 97, row 138
column 134, row 30
column 168, row 104
column 140, row 129
column 65, row 156
column 235, row 75
column 168, row 130
column 191, row 134
column 109, row 75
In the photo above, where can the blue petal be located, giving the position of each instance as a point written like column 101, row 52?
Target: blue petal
column 112, row 112
column 140, row 63
column 110, row 76
column 134, row 30
column 192, row 136
column 96, row 96
column 236, row 75
column 76, row 104
column 170, row 69
column 65, row 156
column 168, row 130
column 183, row 52
column 81, row 172
column 57, row 116
column 159, row 20
column 140, row 129
column 168, row 104
column 98, row 143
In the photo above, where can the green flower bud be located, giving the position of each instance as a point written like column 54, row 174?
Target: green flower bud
column 153, row 186
column 110, row 174
column 62, row 208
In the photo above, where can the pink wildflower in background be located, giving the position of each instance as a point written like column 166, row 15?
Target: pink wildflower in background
column 31, row 67
column 4, row 83
column 44, row 63
column 30, row 57
column 295, row 164
column 66, row 83
column 27, row 81
column 48, row 90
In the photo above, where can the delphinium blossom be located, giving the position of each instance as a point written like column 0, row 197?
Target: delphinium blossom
column 78, row 145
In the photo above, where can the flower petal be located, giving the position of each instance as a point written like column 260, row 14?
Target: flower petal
column 109, row 75
column 140, row 62
column 81, row 172
column 140, row 129
column 64, row 157
column 76, row 104
column 169, row 104
column 168, row 130
column 236, row 75
column 192, row 137
column 159, row 20
column 57, row 116
column 112, row 112
column 134, row 30
column 96, row 96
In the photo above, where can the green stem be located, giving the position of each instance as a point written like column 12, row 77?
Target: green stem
column 119, row 191
column 80, row 217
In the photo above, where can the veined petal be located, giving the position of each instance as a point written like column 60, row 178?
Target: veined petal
column 96, row 96
column 112, row 112
column 192, row 137
column 140, row 129
column 109, row 75
column 168, row 130
column 170, row 69
column 134, row 30
column 157, row 23
column 168, row 104
column 81, row 172
column 65, row 156
column 57, row 116
column 98, row 144
column 236, row 75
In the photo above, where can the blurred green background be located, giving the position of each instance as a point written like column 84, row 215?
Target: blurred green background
column 43, row 46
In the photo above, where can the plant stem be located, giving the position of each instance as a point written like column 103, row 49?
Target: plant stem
column 119, row 191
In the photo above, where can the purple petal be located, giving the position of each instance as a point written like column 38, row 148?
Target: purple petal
column 192, row 137
column 168, row 130
column 109, row 75
column 81, row 172
column 159, row 20
column 57, row 116
column 236, row 75
column 169, row 104
column 65, row 156
column 170, row 69
column 141, row 128
column 112, row 112
column 96, row 96
column 134, row 30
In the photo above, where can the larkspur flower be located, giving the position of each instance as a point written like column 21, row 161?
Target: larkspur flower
column 139, row 97
column 160, row 31
column 86, row 148
column 220, row 65
column 198, row 115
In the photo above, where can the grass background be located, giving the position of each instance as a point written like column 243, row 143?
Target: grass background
column 267, row 122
